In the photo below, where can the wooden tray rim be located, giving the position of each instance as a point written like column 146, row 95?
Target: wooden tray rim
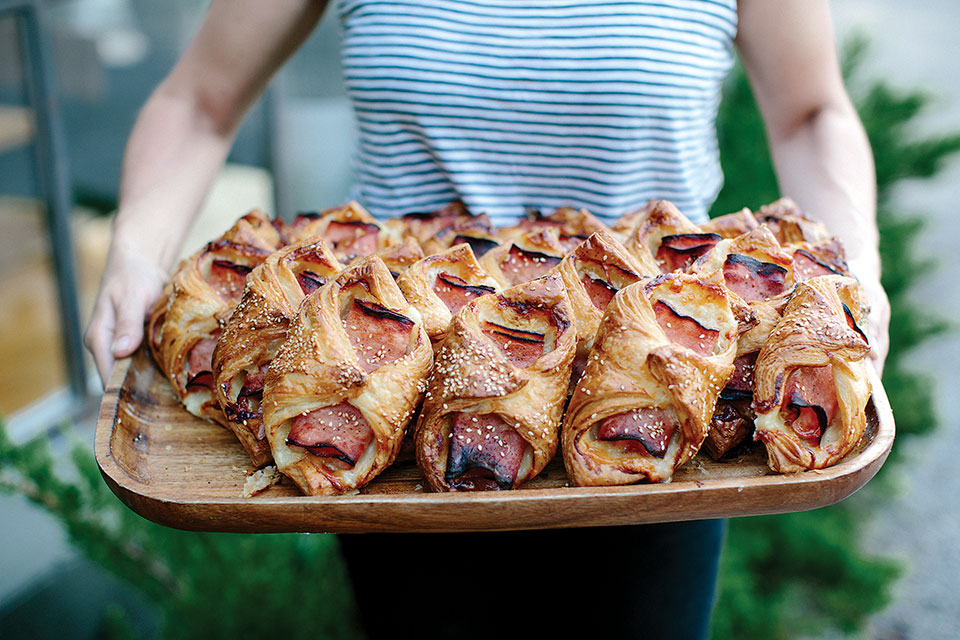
column 830, row 485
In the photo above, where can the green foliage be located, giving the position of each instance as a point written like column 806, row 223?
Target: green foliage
column 805, row 572
column 203, row 585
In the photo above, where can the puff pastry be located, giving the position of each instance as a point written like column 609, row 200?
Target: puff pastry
column 526, row 257
column 811, row 386
column 593, row 273
column 731, row 225
column 758, row 274
column 572, row 226
column 346, row 381
column 255, row 331
column 423, row 226
column 477, row 231
column 186, row 322
column 664, row 240
column 442, row 284
column 491, row 416
column 625, row 224
column 663, row 352
column 790, row 225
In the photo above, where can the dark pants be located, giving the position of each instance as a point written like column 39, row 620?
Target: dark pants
column 650, row 581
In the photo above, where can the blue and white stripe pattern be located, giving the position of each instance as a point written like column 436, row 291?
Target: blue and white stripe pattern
column 517, row 104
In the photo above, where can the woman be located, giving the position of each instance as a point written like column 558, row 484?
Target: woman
column 508, row 105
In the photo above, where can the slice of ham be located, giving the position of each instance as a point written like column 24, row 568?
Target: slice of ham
column 522, row 348
column 520, row 265
column 310, row 281
column 247, row 405
column 685, row 331
column 646, row 431
column 227, row 278
column 339, row 431
column 199, row 363
column 810, row 402
column 599, row 291
column 479, row 245
column 752, row 279
column 485, row 452
column 378, row 335
column 740, row 385
column 806, row 266
column 352, row 239
column 730, row 425
column 457, row 292
column 682, row 250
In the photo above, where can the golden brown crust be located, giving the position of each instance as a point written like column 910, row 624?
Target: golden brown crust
column 318, row 366
column 195, row 305
column 635, row 367
column 820, row 327
column 419, row 285
column 602, row 264
column 652, row 226
column 790, row 225
column 572, row 226
column 623, row 228
column 523, row 258
column 475, row 376
column 731, row 225
column 256, row 329
column 477, row 231
column 756, row 311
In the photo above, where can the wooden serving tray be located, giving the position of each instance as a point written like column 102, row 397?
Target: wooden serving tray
column 183, row 472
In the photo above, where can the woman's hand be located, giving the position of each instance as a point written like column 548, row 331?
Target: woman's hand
column 131, row 285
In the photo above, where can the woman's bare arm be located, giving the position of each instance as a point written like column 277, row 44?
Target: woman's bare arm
column 177, row 146
column 820, row 152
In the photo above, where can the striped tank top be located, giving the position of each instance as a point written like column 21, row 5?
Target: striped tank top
column 511, row 105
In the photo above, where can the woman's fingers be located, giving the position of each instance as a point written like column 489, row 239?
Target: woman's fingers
column 99, row 336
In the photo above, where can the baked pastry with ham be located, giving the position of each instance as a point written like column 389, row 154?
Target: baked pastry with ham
column 811, row 385
column 525, row 257
column 491, row 416
column 731, row 225
column 442, row 284
column 593, row 273
column 623, row 227
column 758, row 275
column 664, row 350
column 423, row 226
column 346, row 381
column 256, row 329
column 477, row 231
column 790, row 224
column 186, row 322
column 572, row 226
column 664, row 240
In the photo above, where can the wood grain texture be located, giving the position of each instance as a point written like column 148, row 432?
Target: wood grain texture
column 179, row 471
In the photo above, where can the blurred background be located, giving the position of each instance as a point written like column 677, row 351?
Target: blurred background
column 882, row 566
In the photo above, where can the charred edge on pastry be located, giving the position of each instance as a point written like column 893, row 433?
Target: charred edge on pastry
column 679, row 251
column 525, row 309
column 479, row 245
column 853, row 323
column 599, row 291
column 459, row 283
column 378, row 311
column 548, row 261
column 830, row 269
column 485, row 453
column 650, row 427
column 310, row 281
column 770, row 274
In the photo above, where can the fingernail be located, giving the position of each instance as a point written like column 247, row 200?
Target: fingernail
column 122, row 343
